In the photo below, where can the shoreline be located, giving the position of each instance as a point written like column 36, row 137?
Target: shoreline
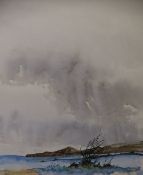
column 136, row 148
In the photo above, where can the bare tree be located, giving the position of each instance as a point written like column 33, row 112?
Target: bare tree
column 90, row 153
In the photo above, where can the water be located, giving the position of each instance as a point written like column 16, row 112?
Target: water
column 121, row 165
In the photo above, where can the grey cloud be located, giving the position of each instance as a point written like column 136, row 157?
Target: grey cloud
column 89, row 94
column 89, row 54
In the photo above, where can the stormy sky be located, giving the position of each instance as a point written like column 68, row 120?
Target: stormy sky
column 69, row 70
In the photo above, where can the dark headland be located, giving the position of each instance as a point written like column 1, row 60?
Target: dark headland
column 110, row 149
column 62, row 152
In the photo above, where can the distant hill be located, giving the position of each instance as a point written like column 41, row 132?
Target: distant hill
column 62, row 152
column 124, row 148
column 115, row 148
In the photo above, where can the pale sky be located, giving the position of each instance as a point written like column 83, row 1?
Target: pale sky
column 69, row 69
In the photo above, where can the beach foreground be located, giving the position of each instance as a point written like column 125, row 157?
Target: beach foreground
column 20, row 172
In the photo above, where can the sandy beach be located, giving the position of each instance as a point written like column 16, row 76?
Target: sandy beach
column 20, row 172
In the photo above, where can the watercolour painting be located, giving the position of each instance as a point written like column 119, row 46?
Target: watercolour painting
column 71, row 87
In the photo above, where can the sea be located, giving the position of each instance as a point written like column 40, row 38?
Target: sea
column 125, row 164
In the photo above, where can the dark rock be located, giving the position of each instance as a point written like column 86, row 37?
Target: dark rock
column 74, row 165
